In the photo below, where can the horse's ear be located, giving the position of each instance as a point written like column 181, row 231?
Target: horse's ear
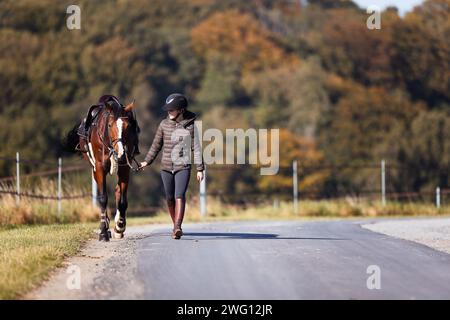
column 129, row 106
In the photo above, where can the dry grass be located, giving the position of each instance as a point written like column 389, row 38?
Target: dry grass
column 37, row 211
column 345, row 208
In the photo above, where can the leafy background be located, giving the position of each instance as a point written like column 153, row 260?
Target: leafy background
column 342, row 94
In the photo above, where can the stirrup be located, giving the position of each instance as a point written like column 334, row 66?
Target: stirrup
column 78, row 148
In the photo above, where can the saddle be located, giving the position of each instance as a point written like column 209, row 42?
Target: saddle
column 92, row 115
column 88, row 122
column 91, row 118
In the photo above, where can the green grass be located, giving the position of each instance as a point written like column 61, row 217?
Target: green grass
column 29, row 253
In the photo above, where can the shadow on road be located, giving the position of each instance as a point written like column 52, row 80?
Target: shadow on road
column 231, row 235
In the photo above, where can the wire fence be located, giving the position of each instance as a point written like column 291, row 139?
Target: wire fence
column 14, row 181
column 43, row 197
column 11, row 184
column 228, row 192
column 44, row 173
column 225, row 184
column 316, row 195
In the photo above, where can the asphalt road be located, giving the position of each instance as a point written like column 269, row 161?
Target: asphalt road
column 288, row 260
column 256, row 260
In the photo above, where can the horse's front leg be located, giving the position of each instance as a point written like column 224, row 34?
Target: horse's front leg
column 102, row 198
column 121, row 201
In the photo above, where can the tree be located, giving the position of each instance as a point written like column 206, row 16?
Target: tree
column 294, row 98
column 242, row 38
column 423, row 152
column 18, row 51
column 351, row 50
column 422, row 51
column 294, row 147
column 32, row 16
column 221, row 82
column 359, row 123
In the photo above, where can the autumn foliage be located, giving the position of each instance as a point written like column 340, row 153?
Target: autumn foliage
column 241, row 37
column 340, row 93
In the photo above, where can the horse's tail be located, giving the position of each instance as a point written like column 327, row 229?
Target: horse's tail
column 71, row 139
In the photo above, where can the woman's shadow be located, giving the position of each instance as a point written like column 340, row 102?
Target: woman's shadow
column 248, row 236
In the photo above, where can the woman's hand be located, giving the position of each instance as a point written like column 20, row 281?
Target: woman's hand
column 143, row 165
column 200, row 176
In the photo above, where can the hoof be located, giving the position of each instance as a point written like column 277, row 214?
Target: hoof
column 117, row 235
column 105, row 233
column 119, row 228
column 121, row 223
column 104, row 236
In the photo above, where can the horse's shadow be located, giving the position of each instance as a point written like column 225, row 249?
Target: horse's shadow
column 248, row 236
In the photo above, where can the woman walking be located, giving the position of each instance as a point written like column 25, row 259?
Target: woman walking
column 175, row 136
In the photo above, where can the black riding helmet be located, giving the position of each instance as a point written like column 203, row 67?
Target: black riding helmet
column 175, row 101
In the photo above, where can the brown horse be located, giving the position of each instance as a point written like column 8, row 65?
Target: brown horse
column 109, row 143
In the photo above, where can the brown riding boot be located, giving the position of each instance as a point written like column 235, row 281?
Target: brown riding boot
column 179, row 215
column 171, row 207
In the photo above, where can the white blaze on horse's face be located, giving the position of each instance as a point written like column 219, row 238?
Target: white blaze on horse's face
column 119, row 124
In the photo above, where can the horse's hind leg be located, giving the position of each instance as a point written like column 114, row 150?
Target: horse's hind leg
column 102, row 198
column 121, row 202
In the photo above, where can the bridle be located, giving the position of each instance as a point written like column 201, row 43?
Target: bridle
column 110, row 146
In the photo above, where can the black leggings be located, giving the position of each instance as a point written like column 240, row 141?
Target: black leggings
column 175, row 184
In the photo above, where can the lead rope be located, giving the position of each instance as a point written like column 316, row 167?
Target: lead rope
column 129, row 164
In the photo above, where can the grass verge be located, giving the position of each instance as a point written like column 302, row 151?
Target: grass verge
column 29, row 253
